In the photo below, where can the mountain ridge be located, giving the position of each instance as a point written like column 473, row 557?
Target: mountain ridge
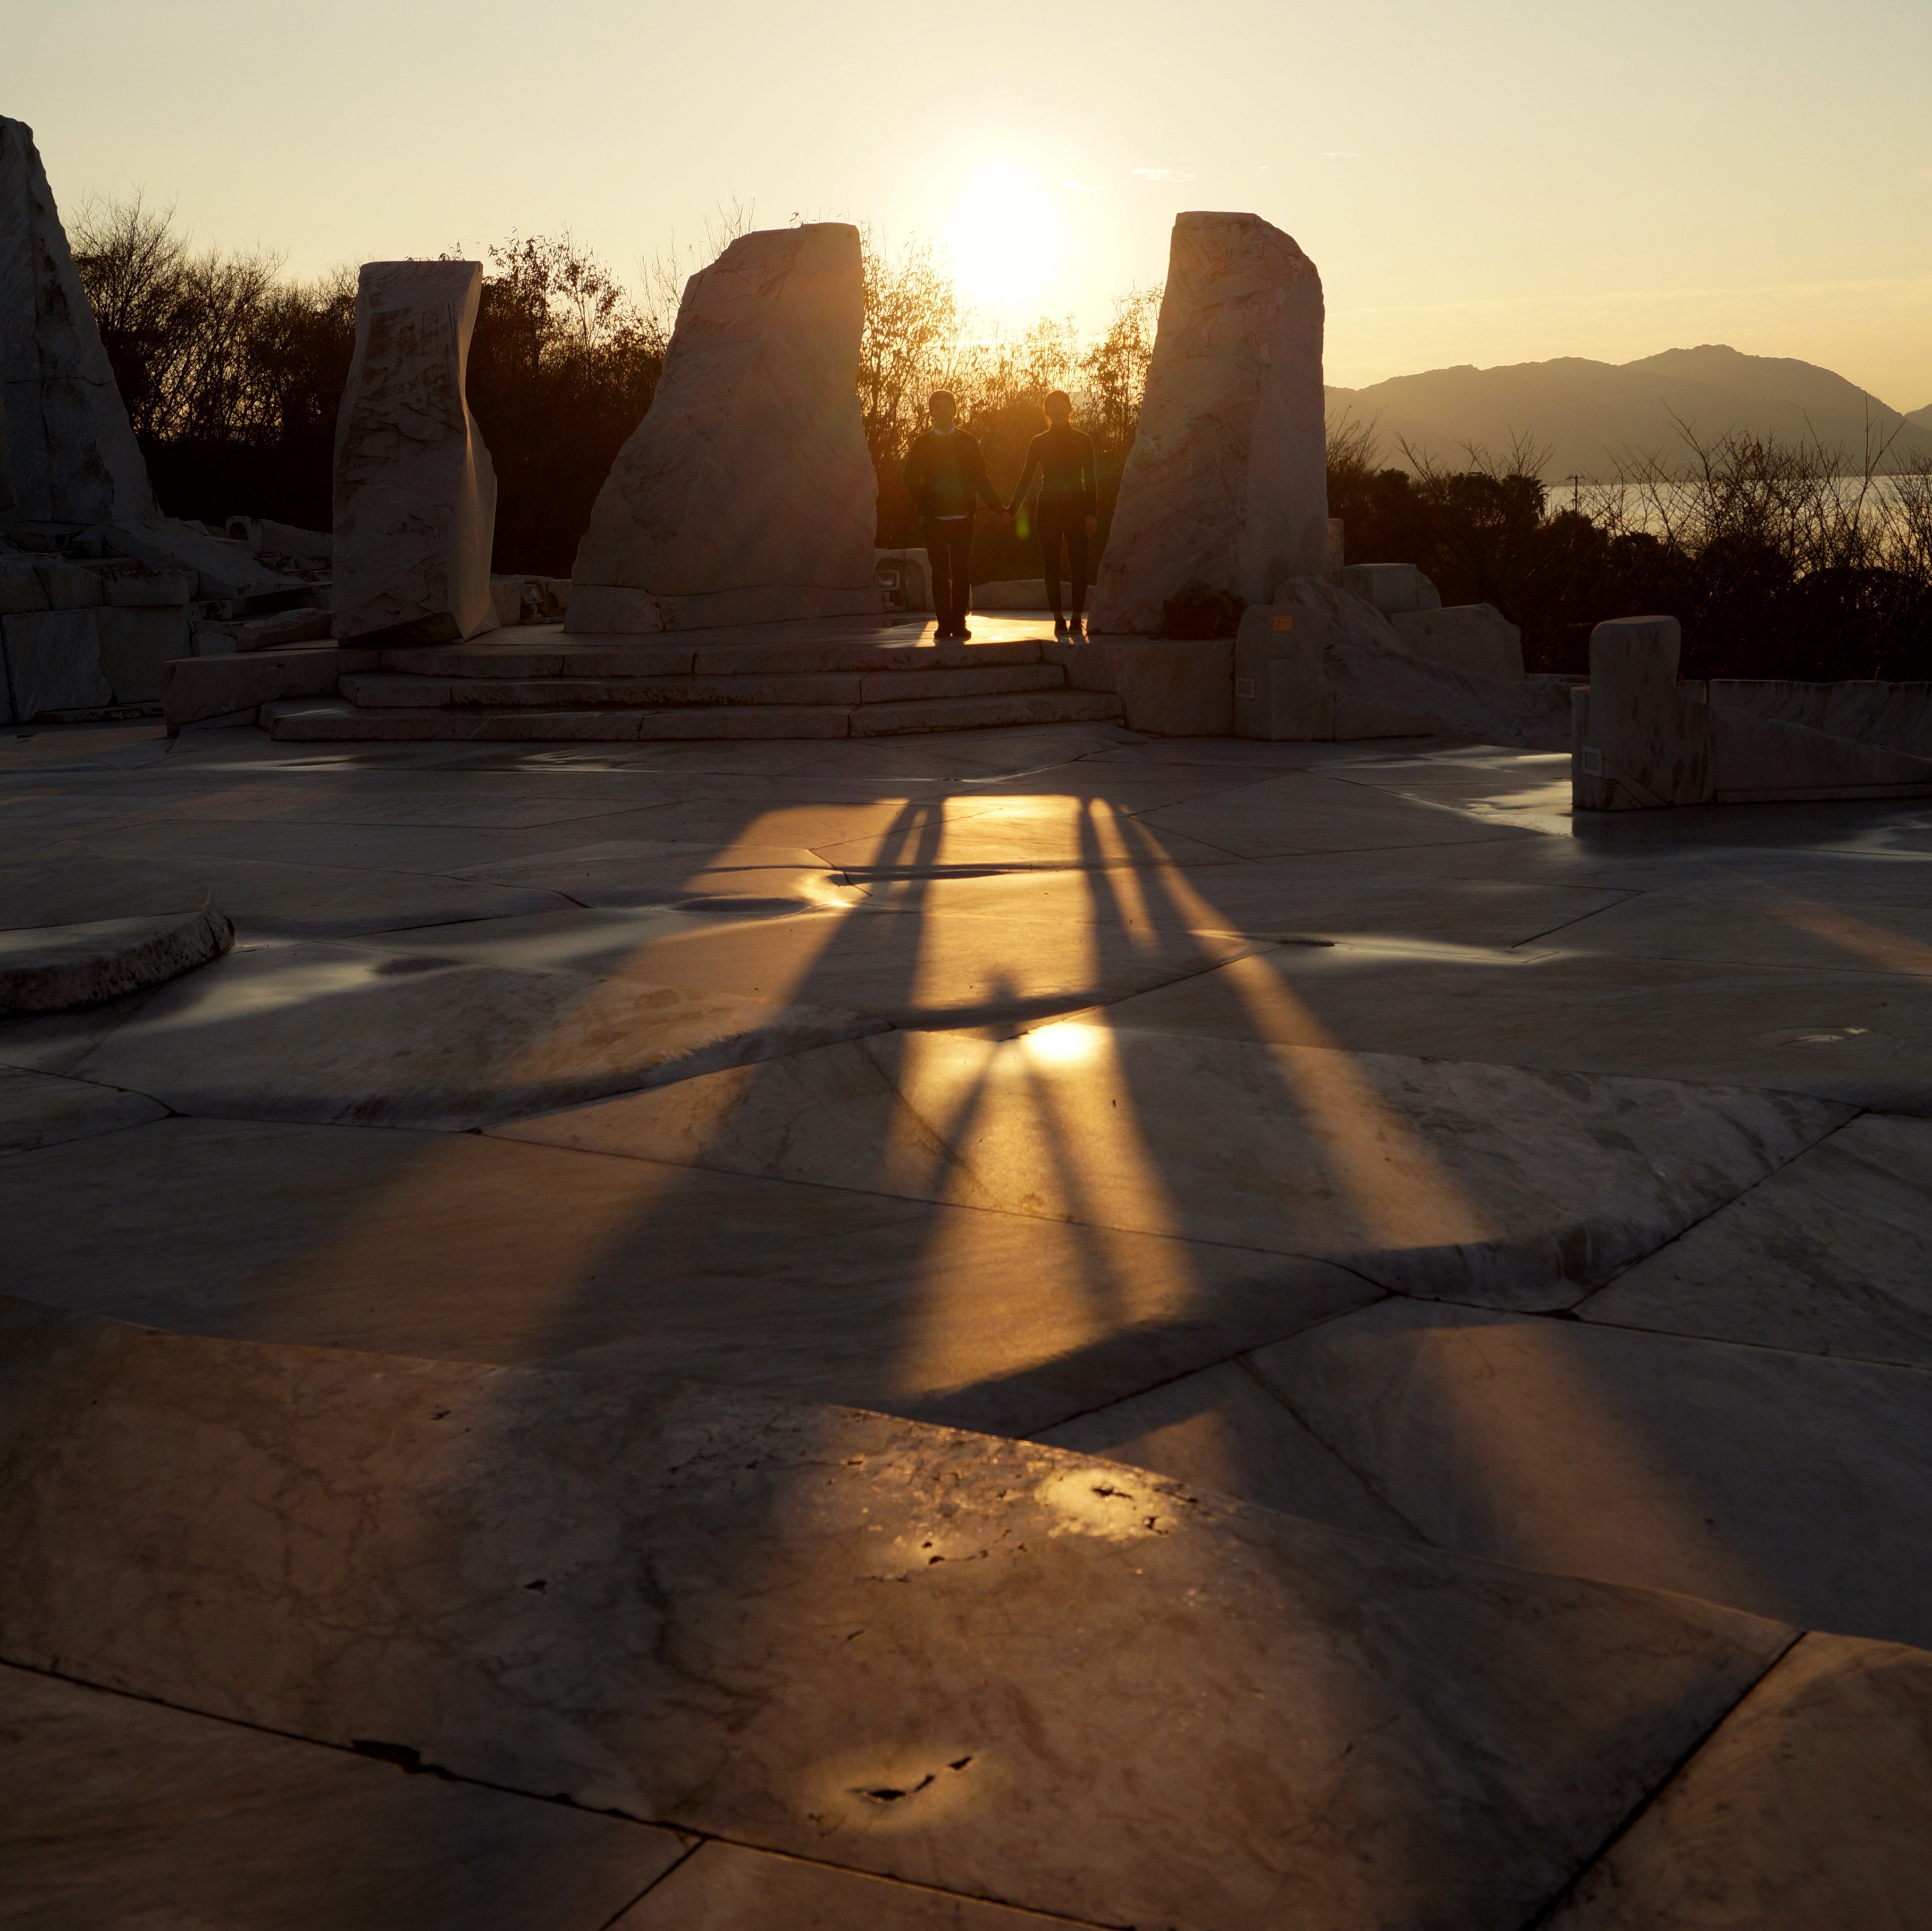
column 1589, row 416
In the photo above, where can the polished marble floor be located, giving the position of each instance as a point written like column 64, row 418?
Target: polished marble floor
column 1029, row 1326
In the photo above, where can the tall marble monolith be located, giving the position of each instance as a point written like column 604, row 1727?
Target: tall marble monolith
column 70, row 456
column 1226, row 487
column 415, row 492
column 746, row 494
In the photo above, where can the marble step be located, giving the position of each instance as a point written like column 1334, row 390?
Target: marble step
column 377, row 691
column 334, row 719
column 552, row 654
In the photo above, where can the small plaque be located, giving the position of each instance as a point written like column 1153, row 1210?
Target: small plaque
column 1244, row 686
column 1281, row 623
column 1593, row 761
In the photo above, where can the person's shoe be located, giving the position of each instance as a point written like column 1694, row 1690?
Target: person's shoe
column 1073, row 627
column 960, row 635
column 1059, row 624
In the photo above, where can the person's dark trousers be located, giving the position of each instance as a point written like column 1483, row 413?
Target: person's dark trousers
column 1063, row 522
column 949, row 547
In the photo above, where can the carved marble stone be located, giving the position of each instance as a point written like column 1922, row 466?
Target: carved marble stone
column 746, row 494
column 69, row 453
column 415, row 492
column 1227, row 485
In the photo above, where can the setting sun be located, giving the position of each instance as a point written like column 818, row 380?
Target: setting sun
column 1006, row 241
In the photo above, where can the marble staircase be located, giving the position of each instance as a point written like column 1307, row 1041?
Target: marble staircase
column 831, row 678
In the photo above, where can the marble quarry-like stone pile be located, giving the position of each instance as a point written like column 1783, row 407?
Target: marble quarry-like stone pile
column 1226, row 487
column 98, row 590
column 746, row 493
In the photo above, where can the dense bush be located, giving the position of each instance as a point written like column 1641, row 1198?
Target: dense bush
column 1780, row 560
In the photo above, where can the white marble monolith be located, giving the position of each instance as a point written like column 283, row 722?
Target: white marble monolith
column 747, row 493
column 1227, row 483
column 67, row 453
column 415, row 492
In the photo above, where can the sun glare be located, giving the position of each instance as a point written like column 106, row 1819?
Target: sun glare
column 1006, row 242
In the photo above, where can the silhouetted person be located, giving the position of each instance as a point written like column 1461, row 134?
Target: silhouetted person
column 1069, row 504
column 947, row 477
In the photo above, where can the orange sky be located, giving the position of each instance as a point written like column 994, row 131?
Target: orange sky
column 1487, row 182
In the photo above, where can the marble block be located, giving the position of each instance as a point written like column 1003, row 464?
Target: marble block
column 69, row 455
column 21, row 590
column 53, row 662
column 1227, row 482
column 1469, row 636
column 220, row 566
column 905, row 577
column 746, row 494
column 1321, row 664
column 1640, row 741
column 1168, row 687
column 987, row 1666
column 415, row 492
column 1395, row 589
column 1869, row 709
column 136, row 647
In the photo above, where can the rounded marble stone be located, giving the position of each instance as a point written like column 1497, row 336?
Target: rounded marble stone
column 77, row 934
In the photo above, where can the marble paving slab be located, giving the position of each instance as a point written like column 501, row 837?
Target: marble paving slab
column 40, row 1110
column 348, row 1034
column 1305, row 812
column 1465, row 1182
column 728, row 1888
column 1403, row 895
column 483, row 1250
column 902, row 968
column 1763, row 926
column 642, row 871
column 1864, row 1039
column 270, row 900
column 1785, row 1484
column 118, row 1812
column 1811, row 1806
column 1828, row 1255
column 991, row 1667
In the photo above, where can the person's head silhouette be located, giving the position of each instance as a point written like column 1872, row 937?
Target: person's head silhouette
column 1059, row 409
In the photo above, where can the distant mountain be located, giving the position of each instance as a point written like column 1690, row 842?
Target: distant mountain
column 1587, row 414
column 1923, row 417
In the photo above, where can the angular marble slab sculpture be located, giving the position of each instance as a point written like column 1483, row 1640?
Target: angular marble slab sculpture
column 415, row 492
column 746, row 494
column 1640, row 743
column 69, row 453
column 1321, row 664
column 1227, row 484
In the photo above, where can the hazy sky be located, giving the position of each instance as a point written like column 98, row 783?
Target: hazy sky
column 1479, row 182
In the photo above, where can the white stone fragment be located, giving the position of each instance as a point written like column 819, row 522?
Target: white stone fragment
column 415, row 492
column 1227, row 484
column 69, row 455
column 747, row 493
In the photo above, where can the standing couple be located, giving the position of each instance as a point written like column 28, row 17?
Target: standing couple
column 947, row 477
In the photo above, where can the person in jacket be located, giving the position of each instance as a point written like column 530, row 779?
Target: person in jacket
column 946, row 474
column 1069, row 504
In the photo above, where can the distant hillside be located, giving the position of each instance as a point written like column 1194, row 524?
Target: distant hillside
column 1587, row 414
column 1921, row 416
